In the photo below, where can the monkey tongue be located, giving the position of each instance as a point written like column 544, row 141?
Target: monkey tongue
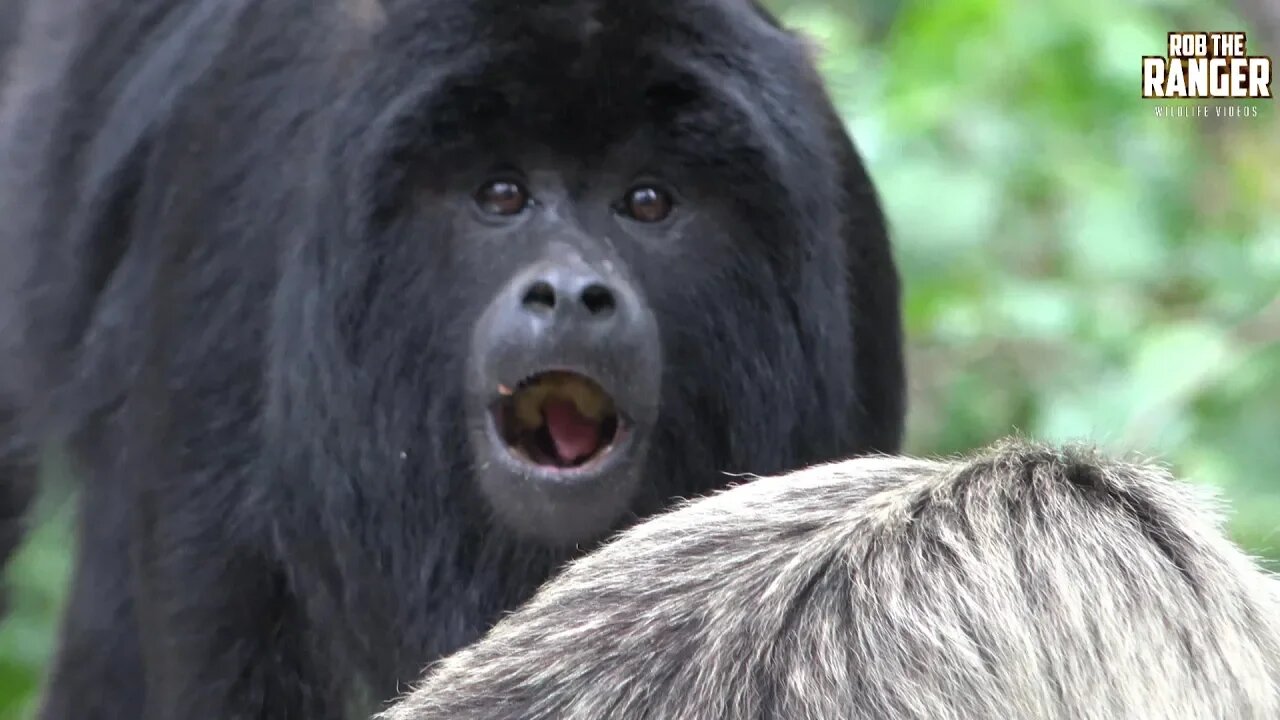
column 574, row 436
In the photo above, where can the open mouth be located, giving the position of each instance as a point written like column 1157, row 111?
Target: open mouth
column 558, row 420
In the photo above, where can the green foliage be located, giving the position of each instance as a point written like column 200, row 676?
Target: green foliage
column 38, row 577
column 1075, row 267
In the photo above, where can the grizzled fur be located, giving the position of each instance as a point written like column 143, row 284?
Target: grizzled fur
column 1023, row 583
column 240, row 263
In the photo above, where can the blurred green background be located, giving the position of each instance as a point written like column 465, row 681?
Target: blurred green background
column 1075, row 266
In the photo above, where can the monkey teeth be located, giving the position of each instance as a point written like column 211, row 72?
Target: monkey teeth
column 591, row 402
column 556, row 419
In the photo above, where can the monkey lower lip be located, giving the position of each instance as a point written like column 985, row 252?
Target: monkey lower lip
column 557, row 420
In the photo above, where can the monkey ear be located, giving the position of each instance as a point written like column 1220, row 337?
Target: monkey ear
column 875, row 297
column 878, row 415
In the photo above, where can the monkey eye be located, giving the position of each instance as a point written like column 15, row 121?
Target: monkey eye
column 502, row 197
column 647, row 204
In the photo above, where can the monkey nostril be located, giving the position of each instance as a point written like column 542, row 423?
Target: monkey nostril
column 598, row 299
column 539, row 296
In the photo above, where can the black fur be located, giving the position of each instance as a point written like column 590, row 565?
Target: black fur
column 17, row 491
column 238, row 286
column 16, row 485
